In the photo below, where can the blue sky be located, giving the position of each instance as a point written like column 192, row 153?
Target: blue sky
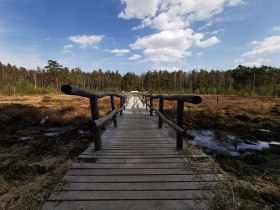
column 140, row 35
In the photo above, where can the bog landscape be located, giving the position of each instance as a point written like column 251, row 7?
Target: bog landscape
column 43, row 131
column 139, row 104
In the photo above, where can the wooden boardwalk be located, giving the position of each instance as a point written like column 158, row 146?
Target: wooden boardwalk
column 138, row 168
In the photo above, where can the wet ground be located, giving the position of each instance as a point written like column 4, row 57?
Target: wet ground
column 38, row 144
column 242, row 135
column 229, row 144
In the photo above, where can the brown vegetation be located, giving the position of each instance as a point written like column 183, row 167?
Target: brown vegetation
column 252, row 181
column 29, row 170
column 31, row 167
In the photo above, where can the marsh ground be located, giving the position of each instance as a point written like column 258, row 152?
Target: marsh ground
column 40, row 136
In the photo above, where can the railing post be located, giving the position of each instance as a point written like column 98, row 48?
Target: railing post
column 95, row 116
column 180, row 116
column 146, row 102
column 124, row 99
column 122, row 103
column 113, row 108
column 161, row 111
column 151, row 105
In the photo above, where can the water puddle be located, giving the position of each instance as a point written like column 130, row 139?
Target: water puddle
column 25, row 138
column 59, row 131
column 55, row 132
column 226, row 145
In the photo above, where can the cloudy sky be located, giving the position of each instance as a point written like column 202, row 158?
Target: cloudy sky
column 140, row 35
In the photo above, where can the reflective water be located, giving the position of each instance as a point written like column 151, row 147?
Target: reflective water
column 55, row 132
column 226, row 145
column 25, row 138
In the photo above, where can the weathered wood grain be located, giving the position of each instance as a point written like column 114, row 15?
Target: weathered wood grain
column 128, row 205
column 150, row 186
column 138, row 168
column 145, row 178
column 130, row 195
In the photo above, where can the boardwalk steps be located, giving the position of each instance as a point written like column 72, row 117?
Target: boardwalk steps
column 138, row 168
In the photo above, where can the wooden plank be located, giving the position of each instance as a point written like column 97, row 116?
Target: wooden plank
column 140, row 144
column 151, row 147
column 149, row 150
column 123, row 166
column 129, row 195
column 140, row 141
column 135, row 156
column 138, row 168
column 107, row 172
column 137, row 153
column 128, row 205
column 146, row 178
column 142, row 150
column 134, row 147
column 136, row 186
column 138, row 138
column 137, row 161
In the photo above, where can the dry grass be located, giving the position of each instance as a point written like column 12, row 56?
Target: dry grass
column 223, row 194
column 253, row 106
column 58, row 108
column 30, row 170
column 31, row 194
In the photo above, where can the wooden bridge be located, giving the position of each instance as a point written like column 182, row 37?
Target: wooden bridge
column 138, row 167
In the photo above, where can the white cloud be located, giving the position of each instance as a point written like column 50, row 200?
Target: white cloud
column 209, row 42
column 165, row 21
column 146, row 22
column 170, row 46
column 86, row 40
column 209, row 24
column 257, row 62
column 234, row 3
column 276, row 28
column 173, row 14
column 251, row 62
column 139, row 9
column 270, row 45
column 120, row 52
column 172, row 19
column 168, row 68
column 135, row 57
column 67, row 49
column 254, row 42
column 217, row 31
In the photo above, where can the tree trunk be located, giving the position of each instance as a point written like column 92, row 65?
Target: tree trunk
column 35, row 80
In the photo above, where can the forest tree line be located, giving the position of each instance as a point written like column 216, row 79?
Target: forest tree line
column 242, row 80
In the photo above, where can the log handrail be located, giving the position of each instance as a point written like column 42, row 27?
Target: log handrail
column 103, row 120
column 71, row 90
column 97, row 121
column 178, row 127
column 186, row 98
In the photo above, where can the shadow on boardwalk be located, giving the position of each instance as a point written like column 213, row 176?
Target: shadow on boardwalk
column 138, row 168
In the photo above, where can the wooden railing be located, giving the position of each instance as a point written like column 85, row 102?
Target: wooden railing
column 178, row 127
column 97, row 121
